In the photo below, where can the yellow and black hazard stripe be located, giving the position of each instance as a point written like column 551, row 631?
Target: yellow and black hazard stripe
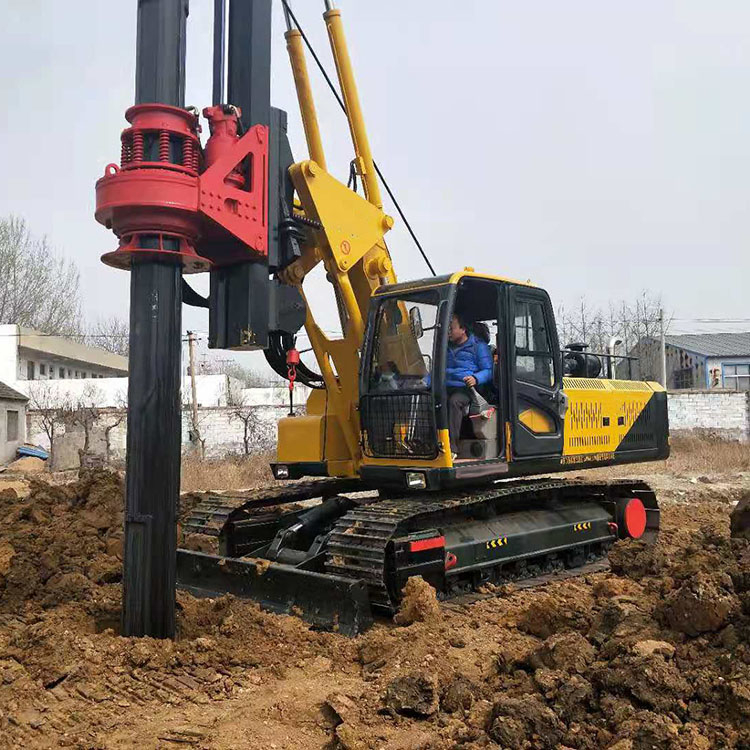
column 494, row 543
column 583, row 526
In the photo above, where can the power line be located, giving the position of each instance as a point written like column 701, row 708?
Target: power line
column 712, row 320
column 343, row 109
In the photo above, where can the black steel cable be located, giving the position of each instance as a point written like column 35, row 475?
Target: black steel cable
column 343, row 109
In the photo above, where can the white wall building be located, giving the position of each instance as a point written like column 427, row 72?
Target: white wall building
column 27, row 355
column 112, row 393
column 12, row 422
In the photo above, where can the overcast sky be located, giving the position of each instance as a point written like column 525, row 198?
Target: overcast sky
column 597, row 147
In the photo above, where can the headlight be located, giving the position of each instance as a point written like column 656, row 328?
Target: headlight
column 416, row 480
column 282, row 472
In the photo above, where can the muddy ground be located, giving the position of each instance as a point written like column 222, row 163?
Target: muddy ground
column 653, row 654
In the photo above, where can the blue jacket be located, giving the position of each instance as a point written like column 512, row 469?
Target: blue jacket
column 473, row 357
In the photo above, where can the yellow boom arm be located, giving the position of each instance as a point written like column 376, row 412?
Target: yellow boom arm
column 351, row 246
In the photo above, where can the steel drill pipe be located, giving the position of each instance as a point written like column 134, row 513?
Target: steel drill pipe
column 153, row 442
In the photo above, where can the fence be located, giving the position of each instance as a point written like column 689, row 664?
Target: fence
column 725, row 414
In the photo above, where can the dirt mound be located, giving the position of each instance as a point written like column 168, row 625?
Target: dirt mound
column 654, row 654
column 413, row 695
column 419, row 603
column 27, row 465
column 65, row 539
column 703, row 604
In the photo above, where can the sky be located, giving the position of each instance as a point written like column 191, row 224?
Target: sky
column 598, row 148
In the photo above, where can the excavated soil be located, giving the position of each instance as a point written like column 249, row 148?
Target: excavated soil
column 653, row 654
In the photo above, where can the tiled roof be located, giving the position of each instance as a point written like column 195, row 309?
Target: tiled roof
column 713, row 344
column 9, row 394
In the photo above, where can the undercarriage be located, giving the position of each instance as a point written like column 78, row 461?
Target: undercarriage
column 335, row 554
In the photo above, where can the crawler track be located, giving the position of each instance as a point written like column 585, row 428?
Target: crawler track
column 359, row 543
column 213, row 513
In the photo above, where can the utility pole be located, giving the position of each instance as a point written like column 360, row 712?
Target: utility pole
column 663, row 348
column 193, row 389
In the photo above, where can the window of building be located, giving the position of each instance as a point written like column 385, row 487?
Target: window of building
column 682, row 378
column 30, row 371
column 62, row 372
column 11, row 430
column 78, row 374
column 70, row 373
column 42, row 368
column 83, row 375
column 736, row 377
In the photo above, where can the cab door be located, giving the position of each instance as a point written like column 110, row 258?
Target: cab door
column 537, row 401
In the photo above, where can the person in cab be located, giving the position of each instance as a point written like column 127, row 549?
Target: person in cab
column 468, row 365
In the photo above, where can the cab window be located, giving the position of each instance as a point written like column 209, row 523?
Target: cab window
column 534, row 359
column 404, row 342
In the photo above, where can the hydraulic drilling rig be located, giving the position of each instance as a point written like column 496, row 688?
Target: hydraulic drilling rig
column 240, row 208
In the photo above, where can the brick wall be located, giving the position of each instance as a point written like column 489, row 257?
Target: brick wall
column 723, row 413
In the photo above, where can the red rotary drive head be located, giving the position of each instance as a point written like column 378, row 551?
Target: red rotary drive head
column 151, row 200
column 169, row 201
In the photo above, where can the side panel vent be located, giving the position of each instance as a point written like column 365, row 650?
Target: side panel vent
column 584, row 384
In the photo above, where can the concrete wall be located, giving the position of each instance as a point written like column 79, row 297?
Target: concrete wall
column 221, row 432
column 723, row 413
column 8, row 447
column 8, row 354
column 211, row 390
column 220, row 428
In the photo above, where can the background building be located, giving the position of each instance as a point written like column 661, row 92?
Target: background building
column 27, row 355
column 698, row 361
column 12, row 422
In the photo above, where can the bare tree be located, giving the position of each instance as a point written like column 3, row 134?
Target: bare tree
column 195, row 431
column 53, row 409
column 86, row 411
column 252, row 425
column 110, row 334
column 115, row 420
column 630, row 320
column 240, row 411
column 38, row 287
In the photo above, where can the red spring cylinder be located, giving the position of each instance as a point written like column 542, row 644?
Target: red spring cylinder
column 126, row 150
column 164, row 145
column 137, row 145
column 187, row 153
column 158, row 204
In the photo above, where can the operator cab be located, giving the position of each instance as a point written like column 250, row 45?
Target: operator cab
column 404, row 399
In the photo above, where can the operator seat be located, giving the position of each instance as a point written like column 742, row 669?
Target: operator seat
column 479, row 429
